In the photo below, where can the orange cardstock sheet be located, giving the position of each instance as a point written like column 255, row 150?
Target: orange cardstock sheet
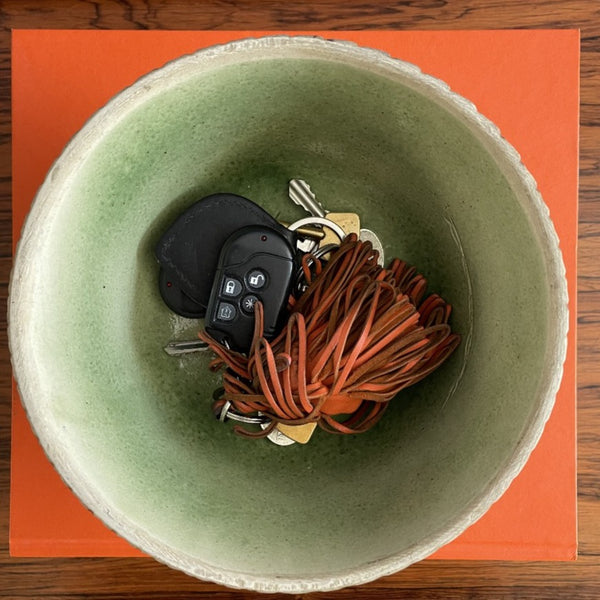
column 527, row 82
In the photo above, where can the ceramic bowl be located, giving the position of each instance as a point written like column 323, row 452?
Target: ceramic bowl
column 129, row 428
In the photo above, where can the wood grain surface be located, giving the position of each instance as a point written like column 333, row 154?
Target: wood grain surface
column 112, row 579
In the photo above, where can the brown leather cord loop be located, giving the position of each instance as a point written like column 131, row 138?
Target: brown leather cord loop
column 357, row 336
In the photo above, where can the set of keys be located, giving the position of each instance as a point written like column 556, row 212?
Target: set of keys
column 225, row 253
column 301, row 194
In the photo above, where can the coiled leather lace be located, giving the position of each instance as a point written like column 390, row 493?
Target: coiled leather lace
column 357, row 336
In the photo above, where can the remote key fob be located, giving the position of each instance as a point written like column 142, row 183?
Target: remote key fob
column 189, row 250
column 256, row 264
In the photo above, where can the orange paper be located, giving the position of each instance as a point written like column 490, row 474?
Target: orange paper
column 527, row 82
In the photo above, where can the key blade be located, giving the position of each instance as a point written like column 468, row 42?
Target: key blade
column 300, row 193
column 187, row 347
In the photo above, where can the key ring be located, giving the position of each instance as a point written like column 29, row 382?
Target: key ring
column 324, row 222
column 228, row 413
column 299, row 280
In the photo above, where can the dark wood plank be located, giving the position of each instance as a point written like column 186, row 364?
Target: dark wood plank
column 114, row 579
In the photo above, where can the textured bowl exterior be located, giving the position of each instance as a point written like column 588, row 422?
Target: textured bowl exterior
column 31, row 376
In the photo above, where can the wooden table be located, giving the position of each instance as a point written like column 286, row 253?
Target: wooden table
column 112, row 578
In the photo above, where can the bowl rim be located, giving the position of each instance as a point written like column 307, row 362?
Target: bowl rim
column 20, row 295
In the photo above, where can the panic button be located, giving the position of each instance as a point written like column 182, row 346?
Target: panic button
column 248, row 303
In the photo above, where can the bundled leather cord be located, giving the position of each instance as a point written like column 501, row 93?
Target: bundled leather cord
column 358, row 335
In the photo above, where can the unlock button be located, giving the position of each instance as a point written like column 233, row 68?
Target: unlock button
column 231, row 287
column 256, row 279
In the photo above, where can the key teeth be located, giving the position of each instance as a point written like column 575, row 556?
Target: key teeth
column 301, row 186
column 301, row 194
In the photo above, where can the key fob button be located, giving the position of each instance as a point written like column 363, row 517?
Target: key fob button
column 256, row 279
column 248, row 303
column 226, row 311
column 231, row 287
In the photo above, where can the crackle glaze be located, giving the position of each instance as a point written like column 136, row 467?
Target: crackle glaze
column 129, row 428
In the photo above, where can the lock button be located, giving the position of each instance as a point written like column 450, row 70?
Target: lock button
column 231, row 287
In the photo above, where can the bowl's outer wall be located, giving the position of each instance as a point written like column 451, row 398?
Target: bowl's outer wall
column 129, row 427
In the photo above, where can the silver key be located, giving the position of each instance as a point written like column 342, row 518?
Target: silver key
column 277, row 437
column 300, row 193
column 185, row 347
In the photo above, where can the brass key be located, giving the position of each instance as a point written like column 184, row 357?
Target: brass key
column 298, row 433
column 349, row 222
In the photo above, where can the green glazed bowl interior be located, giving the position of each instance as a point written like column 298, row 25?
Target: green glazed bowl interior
column 129, row 428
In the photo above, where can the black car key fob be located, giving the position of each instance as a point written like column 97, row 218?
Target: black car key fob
column 188, row 251
column 256, row 264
